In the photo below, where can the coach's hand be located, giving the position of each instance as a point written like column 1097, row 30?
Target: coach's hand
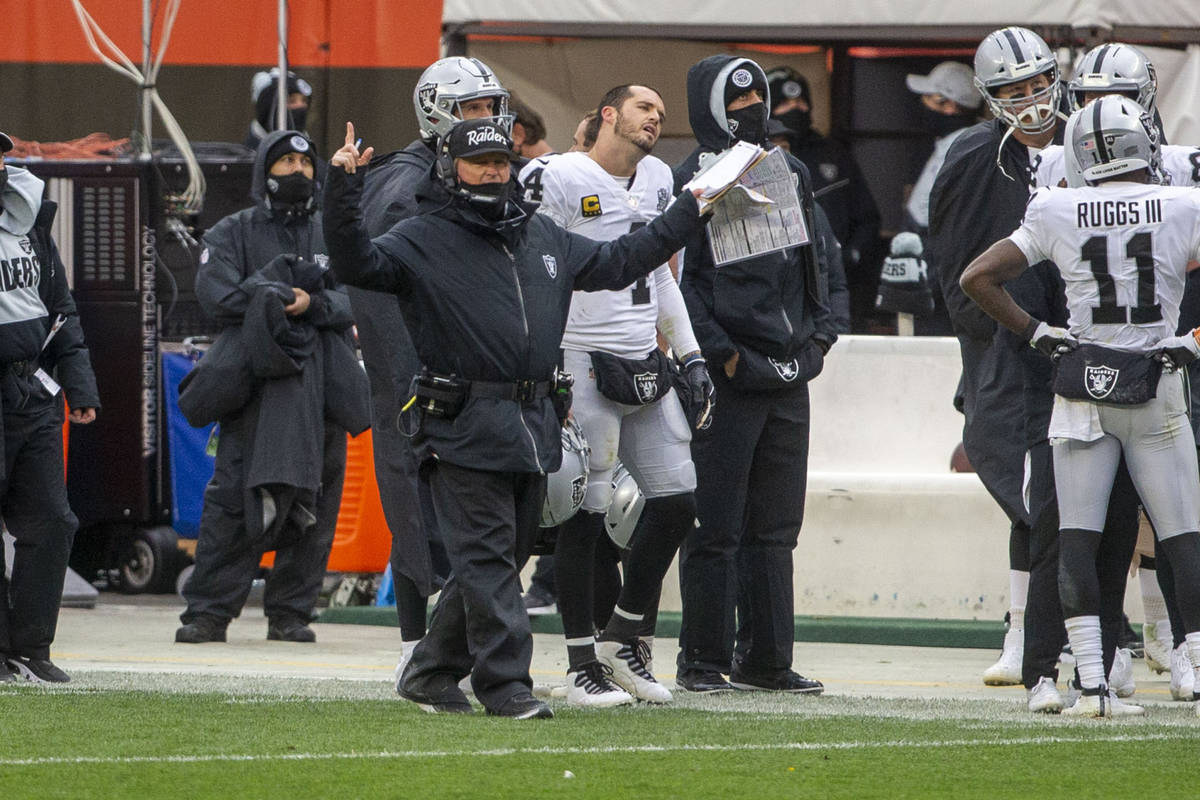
column 1178, row 351
column 347, row 157
column 1052, row 341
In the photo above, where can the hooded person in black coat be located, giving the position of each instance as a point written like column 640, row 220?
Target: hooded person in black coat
column 766, row 321
column 485, row 287
column 289, row 504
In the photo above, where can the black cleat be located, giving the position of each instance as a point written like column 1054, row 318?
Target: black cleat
column 784, row 681
column 522, row 706
column 202, row 629
column 702, row 681
column 37, row 670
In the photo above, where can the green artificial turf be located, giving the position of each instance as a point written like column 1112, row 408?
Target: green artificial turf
column 357, row 740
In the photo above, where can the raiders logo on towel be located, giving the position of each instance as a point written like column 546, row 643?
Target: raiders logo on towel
column 1100, row 381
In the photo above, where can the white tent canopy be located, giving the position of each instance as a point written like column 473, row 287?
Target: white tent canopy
column 1163, row 21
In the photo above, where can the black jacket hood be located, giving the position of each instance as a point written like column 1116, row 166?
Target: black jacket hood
column 258, row 184
column 706, row 98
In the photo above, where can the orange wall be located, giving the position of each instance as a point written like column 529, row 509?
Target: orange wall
column 363, row 33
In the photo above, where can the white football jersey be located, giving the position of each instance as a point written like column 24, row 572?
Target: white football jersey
column 1122, row 249
column 1053, row 167
column 578, row 194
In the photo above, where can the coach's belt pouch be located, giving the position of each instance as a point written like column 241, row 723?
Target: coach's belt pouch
column 1103, row 375
column 440, row 396
column 632, row 383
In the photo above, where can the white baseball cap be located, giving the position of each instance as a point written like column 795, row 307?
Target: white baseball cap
column 952, row 80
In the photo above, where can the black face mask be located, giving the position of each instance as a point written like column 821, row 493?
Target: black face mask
column 295, row 189
column 748, row 124
column 3, row 183
column 941, row 124
column 297, row 117
column 797, row 120
column 489, row 199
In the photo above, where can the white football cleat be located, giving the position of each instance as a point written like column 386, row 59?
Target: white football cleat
column 1104, row 704
column 592, row 687
column 1007, row 669
column 627, row 660
column 1044, row 697
column 1120, row 677
column 1183, row 679
column 1158, row 651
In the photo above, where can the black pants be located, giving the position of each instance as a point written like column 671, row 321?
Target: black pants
column 33, row 501
column 488, row 522
column 227, row 557
column 735, row 570
column 992, row 388
column 1044, row 631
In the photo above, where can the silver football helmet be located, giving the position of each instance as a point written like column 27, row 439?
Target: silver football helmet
column 1113, row 135
column 1012, row 55
column 450, row 81
column 626, row 507
column 566, row 488
column 1114, row 69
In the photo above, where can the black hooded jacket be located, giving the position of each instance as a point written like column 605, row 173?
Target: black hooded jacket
column 489, row 306
column 770, row 306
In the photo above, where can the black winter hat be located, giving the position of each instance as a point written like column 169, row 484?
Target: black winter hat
column 787, row 84
column 742, row 79
column 296, row 142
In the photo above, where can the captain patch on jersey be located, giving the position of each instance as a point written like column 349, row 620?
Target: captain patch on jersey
column 590, row 206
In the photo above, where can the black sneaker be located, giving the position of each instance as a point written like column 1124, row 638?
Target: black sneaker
column 289, row 629
column 522, row 706
column 202, row 629
column 439, row 695
column 702, row 681
column 537, row 604
column 37, row 670
column 784, row 681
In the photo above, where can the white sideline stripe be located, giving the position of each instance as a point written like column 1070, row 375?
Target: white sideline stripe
column 564, row 751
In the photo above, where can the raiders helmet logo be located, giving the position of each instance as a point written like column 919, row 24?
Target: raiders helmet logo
column 1100, row 381
column 647, row 385
column 590, row 206
column 664, row 197
column 741, row 78
column 788, row 370
column 426, row 95
column 578, row 490
column 551, row 265
column 26, row 246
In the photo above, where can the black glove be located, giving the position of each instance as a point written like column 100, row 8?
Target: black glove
column 701, row 395
column 1177, row 351
column 1052, row 341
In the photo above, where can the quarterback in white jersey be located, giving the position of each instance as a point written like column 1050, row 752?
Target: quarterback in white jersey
column 624, row 399
column 1122, row 246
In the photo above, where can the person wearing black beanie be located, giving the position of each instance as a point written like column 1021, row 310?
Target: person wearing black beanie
column 264, row 92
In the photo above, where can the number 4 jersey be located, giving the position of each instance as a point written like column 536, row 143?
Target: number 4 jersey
column 577, row 193
column 1122, row 249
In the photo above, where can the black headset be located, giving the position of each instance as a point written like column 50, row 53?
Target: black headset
column 443, row 167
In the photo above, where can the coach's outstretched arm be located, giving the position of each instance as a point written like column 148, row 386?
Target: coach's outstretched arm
column 983, row 281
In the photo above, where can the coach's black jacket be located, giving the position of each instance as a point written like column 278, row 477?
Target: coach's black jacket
column 489, row 306
column 770, row 306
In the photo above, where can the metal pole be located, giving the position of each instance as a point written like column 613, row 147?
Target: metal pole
column 281, row 104
column 147, row 90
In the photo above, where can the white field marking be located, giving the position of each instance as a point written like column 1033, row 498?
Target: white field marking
column 565, row 751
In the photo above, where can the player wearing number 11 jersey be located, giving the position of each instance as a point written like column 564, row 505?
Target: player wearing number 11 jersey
column 1122, row 245
column 623, row 401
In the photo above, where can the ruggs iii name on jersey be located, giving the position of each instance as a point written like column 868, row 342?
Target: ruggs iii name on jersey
column 1109, row 213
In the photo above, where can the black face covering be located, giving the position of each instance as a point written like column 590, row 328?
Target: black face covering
column 797, row 120
column 748, row 124
column 289, row 190
column 489, row 199
column 941, row 124
column 3, row 183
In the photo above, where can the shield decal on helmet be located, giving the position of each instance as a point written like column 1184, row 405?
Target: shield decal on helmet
column 426, row 95
column 551, row 265
column 578, row 490
column 1100, row 381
